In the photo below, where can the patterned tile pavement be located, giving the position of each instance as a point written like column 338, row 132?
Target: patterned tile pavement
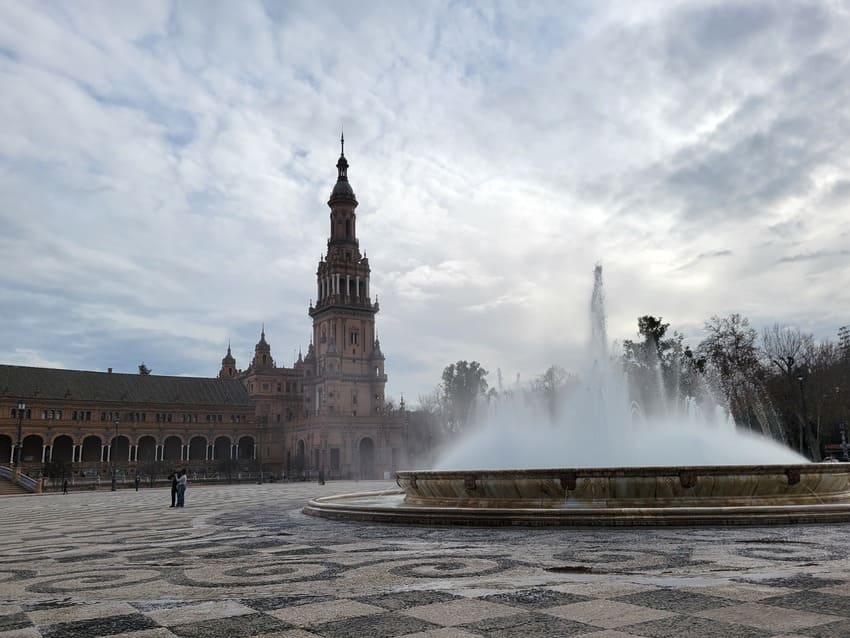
column 244, row 561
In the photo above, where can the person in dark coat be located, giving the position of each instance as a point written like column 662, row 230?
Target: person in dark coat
column 65, row 485
column 173, row 478
column 138, row 480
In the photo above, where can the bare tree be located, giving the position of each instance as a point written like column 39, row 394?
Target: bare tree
column 792, row 353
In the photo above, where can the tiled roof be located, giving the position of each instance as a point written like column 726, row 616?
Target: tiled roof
column 20, row 382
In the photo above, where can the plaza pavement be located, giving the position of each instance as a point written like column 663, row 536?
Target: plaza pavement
column 244, row 561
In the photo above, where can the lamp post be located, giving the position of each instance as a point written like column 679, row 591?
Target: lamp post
column 16, row 457
column 112, row 453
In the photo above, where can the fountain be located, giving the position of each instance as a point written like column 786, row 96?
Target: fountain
column 603, row 463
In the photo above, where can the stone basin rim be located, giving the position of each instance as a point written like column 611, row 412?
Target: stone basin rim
column 637, row 470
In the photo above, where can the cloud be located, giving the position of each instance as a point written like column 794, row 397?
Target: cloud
column 164, row 170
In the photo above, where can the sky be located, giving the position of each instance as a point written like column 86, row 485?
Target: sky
column 165, row 168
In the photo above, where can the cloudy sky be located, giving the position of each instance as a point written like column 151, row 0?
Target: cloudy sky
column 164, row 168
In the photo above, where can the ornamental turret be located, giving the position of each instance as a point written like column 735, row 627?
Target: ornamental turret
column 262, row 353
column 228, row 364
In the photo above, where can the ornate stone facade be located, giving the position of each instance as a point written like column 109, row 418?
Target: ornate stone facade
column 324, row 414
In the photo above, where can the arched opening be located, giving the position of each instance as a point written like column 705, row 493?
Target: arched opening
column 221, row 449
column 32, row 449
column 246, row 447
column 120, row 450
column 367, row 458
column 171, row 449
column 91, row 449
column 198, row 448
column 147, row 449
column 5, row 449
column 63, row 449
column 300, row 455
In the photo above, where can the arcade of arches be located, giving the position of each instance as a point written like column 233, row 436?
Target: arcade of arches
column 128, row 455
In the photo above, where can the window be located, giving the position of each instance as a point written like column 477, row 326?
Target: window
column 354, row 397
column 334, row 458
column 265, row 385
column 354, row 337
column 278, row 387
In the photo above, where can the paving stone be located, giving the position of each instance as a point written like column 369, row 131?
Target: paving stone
column 233, row 627
column 690, row 627
column 607, row 614
column 535, row 598
column 384, row 625
column 528, row 624
column 766, row 617
column 460, row 612
column 104, row 626
column 675, row 600
column 244, row 560
column 814, row 601
column 319, row 613
column 837, row 629
column 17, row 620
column 407, row 599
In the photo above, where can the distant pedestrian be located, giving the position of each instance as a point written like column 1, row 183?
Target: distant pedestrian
column 181, row 488
column 173, row 478
column 65, row 486
column 138, row 480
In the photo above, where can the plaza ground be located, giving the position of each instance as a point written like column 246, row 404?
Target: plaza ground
column 243, row 560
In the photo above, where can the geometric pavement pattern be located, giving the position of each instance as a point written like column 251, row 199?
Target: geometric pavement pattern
column 243, row 560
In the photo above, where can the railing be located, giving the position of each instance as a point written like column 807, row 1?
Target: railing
column 27, row 482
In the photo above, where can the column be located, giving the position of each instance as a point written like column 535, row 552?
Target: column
column 43, row 452
column 234, row 451
column 157, row 455
column 104, row 453
column 367, row 288
column 74, row 453
column 357, row 286
column 255, row 451
column 130, row 450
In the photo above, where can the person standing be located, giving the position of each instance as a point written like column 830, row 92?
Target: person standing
column 65, row 485
column 181, row 487
column 173, row 478
column 138, row 480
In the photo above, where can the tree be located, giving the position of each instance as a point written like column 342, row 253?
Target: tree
column 655, row 366
column 143, row 369
column 787, row 349
column 463, row 383
column 550, row 386
column 732, row 359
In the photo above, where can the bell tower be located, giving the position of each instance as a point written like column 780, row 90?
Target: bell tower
column 347, row 375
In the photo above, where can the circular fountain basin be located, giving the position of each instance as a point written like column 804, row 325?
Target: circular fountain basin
column 688, row 495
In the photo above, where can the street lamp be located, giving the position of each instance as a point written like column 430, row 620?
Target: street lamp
column 17, row 456
column 112, row 453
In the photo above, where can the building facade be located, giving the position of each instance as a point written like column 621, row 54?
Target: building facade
column 325, row 414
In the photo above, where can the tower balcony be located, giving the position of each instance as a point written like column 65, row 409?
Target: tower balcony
column 345, row 301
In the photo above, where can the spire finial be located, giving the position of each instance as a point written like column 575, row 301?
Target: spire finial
column 263, row 330
column 341, row 141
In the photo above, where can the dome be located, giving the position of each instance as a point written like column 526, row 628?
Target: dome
column 342, row 190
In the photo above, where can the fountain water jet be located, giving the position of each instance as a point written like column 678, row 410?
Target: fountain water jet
column 610, row 468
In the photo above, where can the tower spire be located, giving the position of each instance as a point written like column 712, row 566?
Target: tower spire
column 341, row 141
